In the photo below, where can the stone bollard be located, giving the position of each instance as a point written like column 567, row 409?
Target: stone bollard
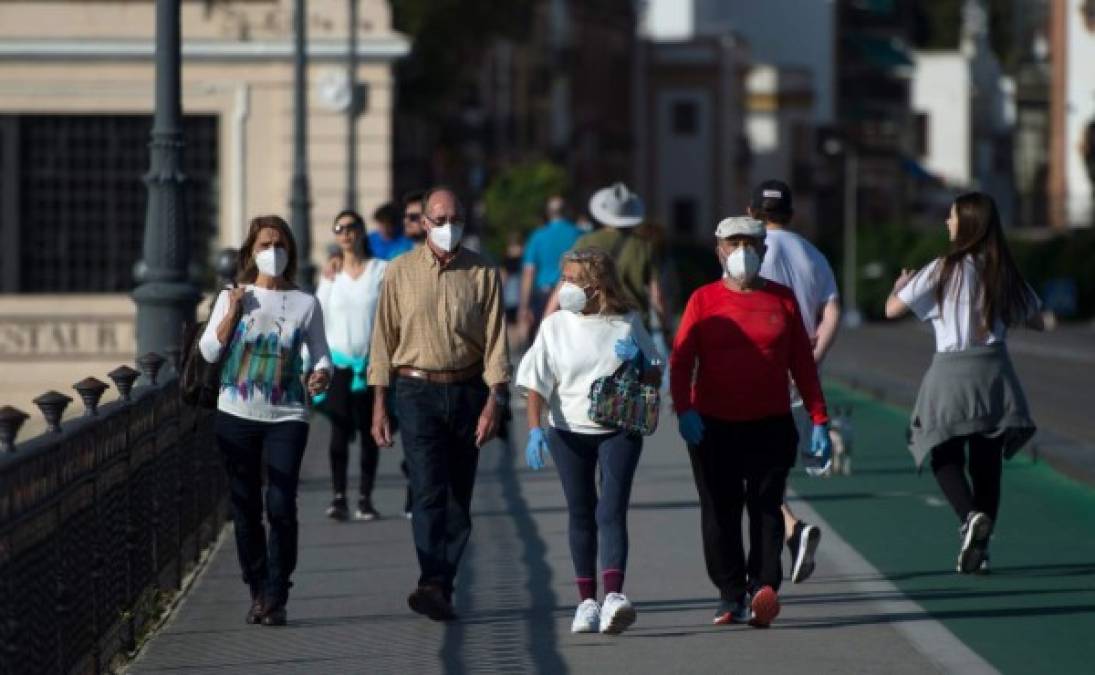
column 91, row 391
column 124, row 377
column 53, row 404
column 150, row 365
column 11, row 420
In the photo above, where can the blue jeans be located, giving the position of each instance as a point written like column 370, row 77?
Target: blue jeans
column 437, row 425
column 267, row 563
column 576, row 457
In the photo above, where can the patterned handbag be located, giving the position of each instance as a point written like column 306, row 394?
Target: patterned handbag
column 622, row 401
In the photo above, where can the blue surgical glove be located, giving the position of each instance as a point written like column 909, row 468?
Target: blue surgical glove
column 626, row 349
column 821, row 451
column 691, row 427
column 534, row 451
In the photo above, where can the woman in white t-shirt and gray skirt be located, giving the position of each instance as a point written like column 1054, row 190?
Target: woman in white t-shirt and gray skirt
column 971, row 395
column 594, row 334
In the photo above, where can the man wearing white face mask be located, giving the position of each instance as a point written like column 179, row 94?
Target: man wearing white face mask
column 737, row 340
column 440, row 329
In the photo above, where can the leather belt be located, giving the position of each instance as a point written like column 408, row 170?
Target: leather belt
column 441, row 376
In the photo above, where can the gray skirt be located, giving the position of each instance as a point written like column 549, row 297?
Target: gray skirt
column 975, row 391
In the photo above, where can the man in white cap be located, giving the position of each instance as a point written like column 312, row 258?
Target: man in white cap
column 738, row 339
column 621, row 211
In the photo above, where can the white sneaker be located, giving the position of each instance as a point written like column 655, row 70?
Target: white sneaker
column 616, row 614
column 587, row 618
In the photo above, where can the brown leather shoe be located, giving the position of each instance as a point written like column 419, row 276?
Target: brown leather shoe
column 258, row 608
column 275, row 615
column 430, row 600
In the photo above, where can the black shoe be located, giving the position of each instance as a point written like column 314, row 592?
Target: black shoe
column 430, row 601
column 338, row 509
column 365, row 510
column 258, row 608
column 275, row 615
column 732, row 612
column 975, row 534
column 803, row 544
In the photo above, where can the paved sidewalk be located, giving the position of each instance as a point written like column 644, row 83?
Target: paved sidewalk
column 515, row 594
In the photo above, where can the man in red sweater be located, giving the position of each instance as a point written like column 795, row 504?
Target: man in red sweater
column 737, row 341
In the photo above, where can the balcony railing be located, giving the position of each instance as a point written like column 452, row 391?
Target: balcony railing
column 101, row 518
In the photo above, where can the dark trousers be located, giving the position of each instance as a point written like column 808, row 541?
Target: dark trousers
column 351, row 412
column 437, row 424
column 736, row 465
column 267, row 562
column 986, row 465
column 576, row 457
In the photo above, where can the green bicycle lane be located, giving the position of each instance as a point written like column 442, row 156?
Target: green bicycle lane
column 1035, row 612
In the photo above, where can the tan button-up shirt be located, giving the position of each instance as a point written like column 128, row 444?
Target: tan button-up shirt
column 440, row 318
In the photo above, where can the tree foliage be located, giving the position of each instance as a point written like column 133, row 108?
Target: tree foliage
column 515, row 198
column 449, row 37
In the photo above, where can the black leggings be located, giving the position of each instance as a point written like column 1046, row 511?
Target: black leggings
column 350, row 412
column 986, row 466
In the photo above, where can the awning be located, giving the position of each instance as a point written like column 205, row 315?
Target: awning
column 883, row 53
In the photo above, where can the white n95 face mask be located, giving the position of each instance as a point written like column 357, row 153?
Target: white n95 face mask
column 572, row 297
column 743, row 264
column 272, row 261
column 446, row 237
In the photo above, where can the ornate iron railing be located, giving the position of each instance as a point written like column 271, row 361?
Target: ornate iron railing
column 100, row 519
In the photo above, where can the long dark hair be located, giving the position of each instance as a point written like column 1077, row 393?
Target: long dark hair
column 364, row 249
column 1003, row 294
column 248, row 272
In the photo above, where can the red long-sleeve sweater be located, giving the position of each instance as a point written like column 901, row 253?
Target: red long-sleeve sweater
column 733, row 351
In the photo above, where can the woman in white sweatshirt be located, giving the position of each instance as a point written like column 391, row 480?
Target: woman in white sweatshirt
column 349, row 297
column 265, row 324
column 594, row 334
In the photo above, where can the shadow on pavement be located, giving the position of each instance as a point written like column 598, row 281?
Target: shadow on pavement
column 1057, row 570
column 941, row 615
column 538, row 641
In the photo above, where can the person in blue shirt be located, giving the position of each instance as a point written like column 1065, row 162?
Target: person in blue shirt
column 387, row 241
column 543, row 251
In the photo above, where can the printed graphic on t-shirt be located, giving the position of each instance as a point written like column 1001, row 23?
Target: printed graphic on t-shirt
column 265, row 363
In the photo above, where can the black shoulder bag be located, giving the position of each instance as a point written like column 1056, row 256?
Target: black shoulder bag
column 199, row 380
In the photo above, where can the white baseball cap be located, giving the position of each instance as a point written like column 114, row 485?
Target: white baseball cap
column 740, row 226
column 617, row 206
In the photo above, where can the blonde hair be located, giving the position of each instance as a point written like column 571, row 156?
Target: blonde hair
column 599, row 269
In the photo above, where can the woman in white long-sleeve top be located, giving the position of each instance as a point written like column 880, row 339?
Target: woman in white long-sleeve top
column 265, row 324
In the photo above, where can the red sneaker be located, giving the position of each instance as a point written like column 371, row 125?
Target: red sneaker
column 765, row 607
